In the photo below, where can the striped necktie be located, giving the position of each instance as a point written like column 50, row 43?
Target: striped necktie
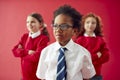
column 61, row 65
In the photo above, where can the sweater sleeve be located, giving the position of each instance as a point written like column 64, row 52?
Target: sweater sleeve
column 41, row 44
column 105, row 53
column 94, row 57
column 20, row 52
column 82, row 41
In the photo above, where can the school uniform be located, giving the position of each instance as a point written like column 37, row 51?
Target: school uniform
column 78, row 62
column 95, row 44
column 36, row 42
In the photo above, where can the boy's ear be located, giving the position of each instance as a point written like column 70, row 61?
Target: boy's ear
column 75, row 30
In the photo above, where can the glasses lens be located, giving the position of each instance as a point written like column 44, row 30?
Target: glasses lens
column 54, row 25
column 62, row 26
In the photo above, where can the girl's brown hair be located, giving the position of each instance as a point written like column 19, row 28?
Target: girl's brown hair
column 40, row 19
column 98, row 30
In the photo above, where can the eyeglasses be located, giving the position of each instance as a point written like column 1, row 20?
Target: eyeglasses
column 62, row 26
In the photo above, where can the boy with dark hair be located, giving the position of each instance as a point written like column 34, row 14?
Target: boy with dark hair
column 64, row 59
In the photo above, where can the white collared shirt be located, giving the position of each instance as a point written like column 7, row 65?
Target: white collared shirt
column 86, row 35
column 78, row 61
column 34, row 35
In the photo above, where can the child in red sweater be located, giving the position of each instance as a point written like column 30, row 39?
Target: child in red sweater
column 91, row 38
column 30, row 46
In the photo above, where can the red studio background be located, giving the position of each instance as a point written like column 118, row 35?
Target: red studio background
column 13, row 15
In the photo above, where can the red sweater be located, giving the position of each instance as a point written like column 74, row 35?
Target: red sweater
column 29, row 62
column 94, row 45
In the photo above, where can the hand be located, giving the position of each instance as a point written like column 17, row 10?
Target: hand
column 99, row 54
column 20, row 46
column 31, row 52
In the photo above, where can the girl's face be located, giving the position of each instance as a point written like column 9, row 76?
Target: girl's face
column 33, row 25
column 63, row 36
column 90, row 24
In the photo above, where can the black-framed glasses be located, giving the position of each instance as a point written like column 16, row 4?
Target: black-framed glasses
column 62, row 26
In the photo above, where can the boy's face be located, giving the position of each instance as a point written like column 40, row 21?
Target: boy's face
column 63, row 35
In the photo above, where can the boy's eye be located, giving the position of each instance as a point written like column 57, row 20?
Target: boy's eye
column 62, row 26
column 54, row 25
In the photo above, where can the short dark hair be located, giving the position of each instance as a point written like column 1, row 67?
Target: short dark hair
column 71, row 12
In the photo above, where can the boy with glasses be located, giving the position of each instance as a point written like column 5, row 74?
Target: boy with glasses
column 64, row 59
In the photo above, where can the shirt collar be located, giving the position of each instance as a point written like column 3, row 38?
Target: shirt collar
column 69, row 45
column 86, row 35
column 34, row 35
